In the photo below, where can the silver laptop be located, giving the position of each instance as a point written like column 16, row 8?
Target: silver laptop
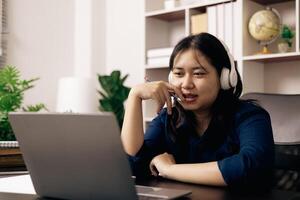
column 78, row 156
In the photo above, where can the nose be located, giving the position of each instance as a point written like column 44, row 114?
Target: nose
column 187, row 82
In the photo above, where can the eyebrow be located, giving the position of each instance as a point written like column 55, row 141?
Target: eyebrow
column 198, row 67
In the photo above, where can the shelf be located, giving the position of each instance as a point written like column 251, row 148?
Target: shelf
column 276, row 57
column 179, row 12
column 208, row 3
column 267, row 2
column 168, row 15
column 156, row 67
column 11, row 158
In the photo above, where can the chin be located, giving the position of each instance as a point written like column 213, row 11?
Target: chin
column 190, row 107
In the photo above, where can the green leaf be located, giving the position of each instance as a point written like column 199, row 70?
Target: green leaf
column 115, row 75
column 34, row 108
column 114, row 94
column 124, row 78
column 12, row 89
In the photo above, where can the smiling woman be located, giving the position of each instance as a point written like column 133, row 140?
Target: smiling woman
column 209, row 137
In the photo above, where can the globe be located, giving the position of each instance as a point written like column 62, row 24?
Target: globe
column 264, row 26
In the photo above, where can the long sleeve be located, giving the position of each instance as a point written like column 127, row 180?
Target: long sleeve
column 254, row 162
column 154, row 144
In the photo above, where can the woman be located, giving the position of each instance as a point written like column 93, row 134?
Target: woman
column 209, row 136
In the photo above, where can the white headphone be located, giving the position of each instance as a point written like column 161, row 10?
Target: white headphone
column 228, row 77
column 170, row 76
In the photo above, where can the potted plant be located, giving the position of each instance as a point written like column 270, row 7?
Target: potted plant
column 286, row 39
column 114, row 94
column 12, row 89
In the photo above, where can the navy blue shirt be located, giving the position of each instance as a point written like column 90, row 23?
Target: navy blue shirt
column 245, row 153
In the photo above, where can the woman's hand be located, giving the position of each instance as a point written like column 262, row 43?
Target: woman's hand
column 159, row 91
column 160, row 164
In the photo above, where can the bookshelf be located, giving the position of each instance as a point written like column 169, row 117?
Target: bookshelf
column 270, row 73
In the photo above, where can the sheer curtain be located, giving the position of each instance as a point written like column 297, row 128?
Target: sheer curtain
column 3, row 32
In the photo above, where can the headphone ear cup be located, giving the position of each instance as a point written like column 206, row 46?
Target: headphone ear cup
column 233, row 77
column 225, row 78
column 170, row 76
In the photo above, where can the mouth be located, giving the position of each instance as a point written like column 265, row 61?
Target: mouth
column 190, row 98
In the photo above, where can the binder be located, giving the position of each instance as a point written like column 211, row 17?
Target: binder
column 9, row 144
column 199, row 23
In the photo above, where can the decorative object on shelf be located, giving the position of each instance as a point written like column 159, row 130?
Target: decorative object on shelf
column 190, row 2
column 12, row 90
column 286, row 39
column 159, row 57
column 264, row 26
column 114, row 94
column 169, row 4
column 77, row 94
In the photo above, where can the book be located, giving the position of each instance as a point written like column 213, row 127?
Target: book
column 159, row 61
column 228, row 29
column 159, row 52
column 212, row 20
column 237, row 21
column 220, row 21
column 9, row 144
column 199, row 23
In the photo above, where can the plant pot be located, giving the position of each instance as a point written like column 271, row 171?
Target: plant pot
column 283, row 47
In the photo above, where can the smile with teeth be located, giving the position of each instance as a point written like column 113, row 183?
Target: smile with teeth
column 190, row 97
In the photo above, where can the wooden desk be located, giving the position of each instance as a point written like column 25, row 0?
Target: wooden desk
column 198, row 192
column 201, row 192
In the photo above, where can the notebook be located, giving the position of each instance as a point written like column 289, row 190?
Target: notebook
column 78, row 156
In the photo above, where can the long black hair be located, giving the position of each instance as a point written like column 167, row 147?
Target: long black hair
column 227, row 100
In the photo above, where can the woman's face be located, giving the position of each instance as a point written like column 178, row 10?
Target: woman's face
column 197, row 79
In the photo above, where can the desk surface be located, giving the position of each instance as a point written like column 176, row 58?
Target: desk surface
column 198, row 192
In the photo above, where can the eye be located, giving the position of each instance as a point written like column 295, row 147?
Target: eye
column 199, row 73
column 178, row 73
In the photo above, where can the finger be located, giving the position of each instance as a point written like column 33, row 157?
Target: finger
column 153, row 169
column 159, row 102
column 163, row 96
column 168, row 101
column 174, row 89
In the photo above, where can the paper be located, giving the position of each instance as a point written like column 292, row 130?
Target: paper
column 17, row 184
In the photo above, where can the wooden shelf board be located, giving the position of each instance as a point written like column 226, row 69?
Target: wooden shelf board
column 178, row 13
column 267, row 2
column 156, row 67
column 168, row 15
column 207, row 3
column 276, row 57
column 9, row 151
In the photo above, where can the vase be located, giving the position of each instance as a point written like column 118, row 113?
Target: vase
column 283, row 47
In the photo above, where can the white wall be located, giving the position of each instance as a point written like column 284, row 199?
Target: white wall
column 282, row 77
column 124, row 35
column 41, row 43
